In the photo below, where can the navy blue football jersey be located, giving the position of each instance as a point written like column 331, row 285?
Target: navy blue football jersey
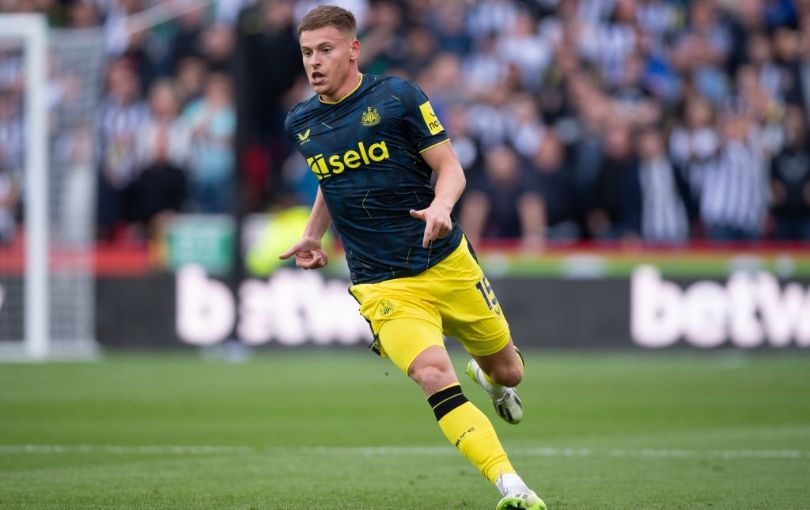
column 365, row 151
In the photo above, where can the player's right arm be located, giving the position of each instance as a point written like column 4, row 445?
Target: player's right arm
column 308, row 252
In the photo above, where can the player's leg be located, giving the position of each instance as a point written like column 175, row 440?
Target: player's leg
column 504, row 367
column 471, row 312
column 498, row 374
column 463, row 424
column 496, row 365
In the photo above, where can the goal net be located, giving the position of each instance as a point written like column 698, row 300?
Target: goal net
column 50, row 88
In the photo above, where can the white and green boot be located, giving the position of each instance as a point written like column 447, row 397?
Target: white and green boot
column 521, row 501
column 516, row 495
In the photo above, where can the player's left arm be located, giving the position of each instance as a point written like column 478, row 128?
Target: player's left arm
column 449, row 186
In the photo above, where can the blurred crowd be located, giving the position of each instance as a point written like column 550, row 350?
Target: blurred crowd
column 654, row 121
column 163, row 138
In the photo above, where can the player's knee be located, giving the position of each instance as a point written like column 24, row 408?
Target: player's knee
column 507, row 375
column 431, row 378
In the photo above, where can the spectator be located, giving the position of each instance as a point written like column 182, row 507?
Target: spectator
column 693, row 148
column 136, row 47
column 448, row 27
column 159, row 190
column 485, row 72
column 557, row 189
column 217, row 48
column 191, row 77
column 790, row 180
column 187, row 41
column 590, row 111
column 608, row 44
column 505, row 203
column 632, row 97
column 733, row 203
column 421, row 50
column 163, row 150
column 212, row 121
column 492, row 17
column 465, row 143
column 122, row 116
column 616, row 213
column 525, row 127
column 526, row 49
column 164, row 123
column 264, row 93
column 703, row 50
column 763, row 66
column 787, row 51
column 385, row 41
column 442, row 80
column 663, row 215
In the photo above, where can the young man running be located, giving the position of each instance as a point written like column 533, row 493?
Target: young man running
column 373, row 142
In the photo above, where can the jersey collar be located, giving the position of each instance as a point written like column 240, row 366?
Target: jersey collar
column 359, row 82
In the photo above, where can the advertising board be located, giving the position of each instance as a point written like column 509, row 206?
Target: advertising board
column 747, row 310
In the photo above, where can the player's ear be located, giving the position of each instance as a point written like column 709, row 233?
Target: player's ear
column 354, row 50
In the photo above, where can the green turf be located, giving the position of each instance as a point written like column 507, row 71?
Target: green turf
column 337, row 430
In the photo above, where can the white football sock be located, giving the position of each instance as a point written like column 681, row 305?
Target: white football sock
column 510, row 483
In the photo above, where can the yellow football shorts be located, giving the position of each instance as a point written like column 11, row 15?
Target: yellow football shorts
column 453, row 298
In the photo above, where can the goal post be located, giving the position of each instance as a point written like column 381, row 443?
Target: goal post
column 47, row 308
column 31, row 32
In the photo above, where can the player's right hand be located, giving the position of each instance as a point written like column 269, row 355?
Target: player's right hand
column 308, row 253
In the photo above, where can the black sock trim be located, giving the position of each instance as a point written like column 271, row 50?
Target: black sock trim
column 442, row 395
column 448, row 405
column 446, row 400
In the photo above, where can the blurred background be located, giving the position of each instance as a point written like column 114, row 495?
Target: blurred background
column 638, row 180
column 642, row 165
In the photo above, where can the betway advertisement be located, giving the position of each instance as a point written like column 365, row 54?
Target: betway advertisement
column 291, row 308
column 749, row 309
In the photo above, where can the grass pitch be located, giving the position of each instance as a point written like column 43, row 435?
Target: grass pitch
column 344, row 430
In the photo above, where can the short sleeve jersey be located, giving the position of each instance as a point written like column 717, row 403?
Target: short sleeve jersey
column 365, row 151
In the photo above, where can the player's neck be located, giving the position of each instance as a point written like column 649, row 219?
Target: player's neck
column 351, row 84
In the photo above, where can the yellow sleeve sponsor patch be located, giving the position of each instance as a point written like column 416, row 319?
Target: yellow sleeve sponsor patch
column 431, row 120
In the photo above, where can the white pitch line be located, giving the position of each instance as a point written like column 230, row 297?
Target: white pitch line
column 665, row 454
column 570, row 452
column 124, row 450
column 382, row 451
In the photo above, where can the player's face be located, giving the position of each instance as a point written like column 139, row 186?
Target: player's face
column 329, row 56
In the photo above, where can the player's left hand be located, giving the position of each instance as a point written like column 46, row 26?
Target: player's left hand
column 308, row 253
column 437, row 220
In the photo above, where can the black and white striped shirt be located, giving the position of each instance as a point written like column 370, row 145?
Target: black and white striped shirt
column 120, row 125
column 663, row 215
column 735, row 190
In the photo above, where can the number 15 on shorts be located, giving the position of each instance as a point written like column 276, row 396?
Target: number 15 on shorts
column 486, row 292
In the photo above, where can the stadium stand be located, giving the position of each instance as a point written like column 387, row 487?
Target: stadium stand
column 658, row 121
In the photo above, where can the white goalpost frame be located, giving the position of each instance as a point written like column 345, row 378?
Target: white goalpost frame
column 32, row 31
